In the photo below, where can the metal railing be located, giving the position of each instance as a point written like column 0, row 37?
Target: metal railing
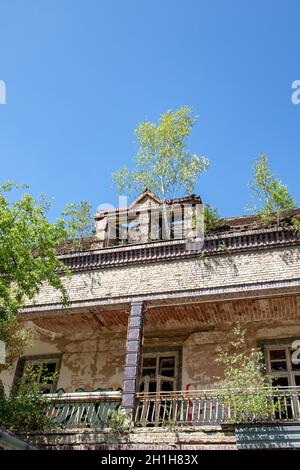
column 208, row 407
column 82, row 409
column 180, row 408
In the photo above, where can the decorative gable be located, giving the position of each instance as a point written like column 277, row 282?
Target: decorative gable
column 143, row 220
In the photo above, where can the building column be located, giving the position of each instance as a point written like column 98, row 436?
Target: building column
column 133, row 357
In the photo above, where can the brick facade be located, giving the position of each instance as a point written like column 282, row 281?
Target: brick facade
column 203, row 438
column 219, row 272
column 124, row 301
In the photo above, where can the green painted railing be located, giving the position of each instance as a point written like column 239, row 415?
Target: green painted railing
column 82, row 409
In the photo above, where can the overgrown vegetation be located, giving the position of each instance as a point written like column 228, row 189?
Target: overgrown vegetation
column 119, row 421
column 274, row 200
column 80, row 222
column 212, row 219
column 163, row 164
column 245, row 388
column 296, row 225
column 24, row 410
column 28, row 243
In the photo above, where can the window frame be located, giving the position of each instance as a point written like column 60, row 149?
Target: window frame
column 158, row 378
column 25, row 361
column 289, row 373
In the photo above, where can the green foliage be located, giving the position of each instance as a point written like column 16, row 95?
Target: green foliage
column 25, row 409
column 245, row 387
column 28, row 243
column 296, row 225
column 15, row 337
column 223, row 246
column 273, row 196
column 80, row 221
column 212, row 220
column 119, row 421
column 163, row 164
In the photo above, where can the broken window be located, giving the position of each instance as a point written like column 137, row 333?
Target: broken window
column 45, row 371
column 159, row 372
column 281, row 367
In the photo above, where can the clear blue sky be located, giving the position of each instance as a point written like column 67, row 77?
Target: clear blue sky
column 81, row 75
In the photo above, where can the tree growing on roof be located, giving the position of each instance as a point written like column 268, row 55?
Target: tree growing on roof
column 212, row 220
column 163, row 164
column 274, row 199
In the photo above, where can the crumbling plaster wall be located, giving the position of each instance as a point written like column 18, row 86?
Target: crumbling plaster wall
column 91, row 363
column 98, row 361
column 199, row 368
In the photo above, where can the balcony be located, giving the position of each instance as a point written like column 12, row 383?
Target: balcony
column 210, row 407
column 173, row 409
column 82, row 409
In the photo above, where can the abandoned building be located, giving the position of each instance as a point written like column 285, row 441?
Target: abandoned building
column 146, row 314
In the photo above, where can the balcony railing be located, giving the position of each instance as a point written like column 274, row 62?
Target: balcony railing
column 182, row 408
column 82, row 409
column 208, row 407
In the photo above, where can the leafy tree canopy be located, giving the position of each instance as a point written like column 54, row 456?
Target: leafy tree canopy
column 272, row 195
column 28, row 242
column 212, row 220
column 245, row 387
column 163, row 164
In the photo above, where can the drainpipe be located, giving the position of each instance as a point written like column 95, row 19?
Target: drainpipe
column 10, row 442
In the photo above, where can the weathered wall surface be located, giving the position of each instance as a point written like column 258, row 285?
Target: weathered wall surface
column 170, row 276
column 98, row 361
column 89, row 363
column 199, row 350
column 204, row 438
column 92, row 364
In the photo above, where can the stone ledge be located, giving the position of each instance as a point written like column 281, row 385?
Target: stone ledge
column 206, row 437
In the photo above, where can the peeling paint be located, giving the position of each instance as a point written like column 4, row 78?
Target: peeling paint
column 93, row 343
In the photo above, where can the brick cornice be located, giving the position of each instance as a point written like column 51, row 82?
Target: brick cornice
column 222, row 244
column 230, row 292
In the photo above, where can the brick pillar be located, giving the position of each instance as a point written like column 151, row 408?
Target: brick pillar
column 133, row 357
